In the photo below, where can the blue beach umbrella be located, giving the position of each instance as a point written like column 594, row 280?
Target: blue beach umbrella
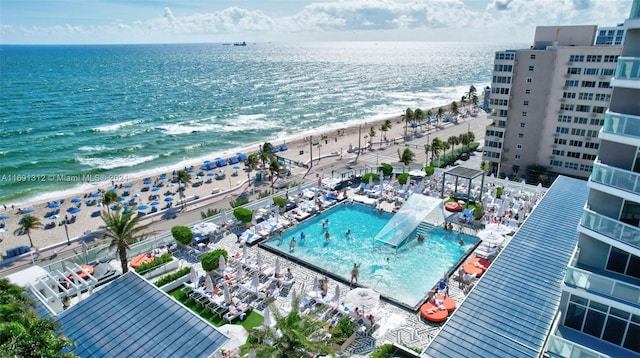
column 76, row 200
column 94, row 195
column 142, row 207
column 113, row 207
column 129, row 186
column 154, row 203
column 236, row 167
column 146, row 182
column 121, row 199
column 4, row 217
column 114, row 190
column 74, row 211
column 210, row 174
column 53, row 205
column 27, row 211
column 168, row 198
column 155, row 188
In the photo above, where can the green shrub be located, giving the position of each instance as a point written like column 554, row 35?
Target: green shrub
column 209, row 213
column 517, row 179
column 478, row 212
column 279, row 201
column 243, row 214
column 265, row 194
column 499, row 191
column 383, row 351
column 386, row 169
column 342, row 330
column 240, row 200
column 211, row 260
column 155, row 263
column 403, row 178
column 172, row 277
column 182, row 234
column 429, row 170
column 367, row 176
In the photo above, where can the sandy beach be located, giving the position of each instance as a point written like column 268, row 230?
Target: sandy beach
column 85, row 206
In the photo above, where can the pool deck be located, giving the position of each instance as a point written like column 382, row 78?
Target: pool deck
column 396, row 324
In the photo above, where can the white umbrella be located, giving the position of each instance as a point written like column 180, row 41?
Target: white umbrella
column 254, row 219
column 222, row 264
column 371, row 181
column 277, row 271
column 362, row 297
column 505, row 183
column 498, row 228
column 240, row 273
column 224, row 216
column 259, row 260
column 522, row 184
column 490, row 237
column 336, row 296
column 194, row 275
column 255, row 281
column 208, row 284
column 538, row 188
column 227, row 294
column 393, row 177
column 268, row 323
column 244, row 253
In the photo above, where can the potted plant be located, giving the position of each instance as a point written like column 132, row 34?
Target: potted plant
column 478, row 213
column 182, row 234
column 211, row 260
column 343, row 334
column 243, row 214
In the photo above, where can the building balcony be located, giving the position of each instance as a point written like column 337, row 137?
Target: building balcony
column 579, row 278
column 560, row 347
column 621, row 124
column 627, row 73
column 616, row 178
column 614, row 229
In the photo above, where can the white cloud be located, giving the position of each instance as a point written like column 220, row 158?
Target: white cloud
column 500, row 20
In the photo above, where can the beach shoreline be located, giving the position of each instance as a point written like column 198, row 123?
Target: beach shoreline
column 333, row 139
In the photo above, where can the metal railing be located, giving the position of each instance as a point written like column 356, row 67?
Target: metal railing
column 602, row 285
column 560, row 347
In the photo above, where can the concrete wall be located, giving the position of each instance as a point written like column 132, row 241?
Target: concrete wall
column 564, row 36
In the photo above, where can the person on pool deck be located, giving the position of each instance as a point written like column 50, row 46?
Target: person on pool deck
column 292, row 244
column 325, row 286
column 354, row 274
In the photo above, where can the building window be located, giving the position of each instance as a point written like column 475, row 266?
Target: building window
column 623, row 262
column 522, row 125
column 571, row 165
column 557, row 152
column 574, row 70
column 555, row 163
column 525, row 103
column 580, row 120
column 529, row 79
column 566, row 107
column 530, row 68
column 560, row 141
column 592, row 145
column 562, row 130
column 564, row 119
column 578, row 132
column 524, row 114
column 610, row 58
column 605, row 97
column 591, row 71
column 575, row 143
column 576, row 58
column 594, row 58
column 586, row 156
column 582, row 108
column 588, row 83
column 607, row 72
column 569, row 95
column 533, row 56
column 572, row 83
column 527, row 91
column 520, row 135
column 598, row 109
column 573, row 155
column 517, row 157
column 518, row 146
column 585, row 96
column 604, row 85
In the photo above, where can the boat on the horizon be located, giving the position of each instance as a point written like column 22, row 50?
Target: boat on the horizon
column 240, row 43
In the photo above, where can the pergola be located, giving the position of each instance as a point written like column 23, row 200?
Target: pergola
column 464, row 173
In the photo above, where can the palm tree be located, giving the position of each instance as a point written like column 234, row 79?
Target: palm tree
column 264, row 158
column 252, row 161
column 406, row 156
column 429, row 115
column 28, row 223
column 182, row 177
column 293, row 335
column 463, row 102
column 372, row 133
column 471, row 136
column 436, row 147
column 427, row 150
column 472, row 92
column 108, row 198
column 408, row 118
column 274, row 169
column 383, row 130
column 454, row 108
column 440, row 114
column 452, row 141
column 418, row 114
column 474, row 99
column 463, row 139
column 122, row 230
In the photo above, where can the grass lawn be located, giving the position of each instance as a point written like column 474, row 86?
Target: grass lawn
column 253, row 319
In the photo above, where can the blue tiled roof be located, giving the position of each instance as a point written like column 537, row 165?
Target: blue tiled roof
column 132, row 318
column 510, row 310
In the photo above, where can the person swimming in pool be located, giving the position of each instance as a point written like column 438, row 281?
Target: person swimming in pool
column 327, row 236
column 348, row 233
column 302, row 236
column 292, row 244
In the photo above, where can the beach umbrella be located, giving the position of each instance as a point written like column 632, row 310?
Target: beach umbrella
column 522, row 184
column 255, row 281
column 490, row 237
column 244, row 253
column 227, row 294
column 336, row 296
column 222, row 264
column 240, row 275
column 146, row 181
column 168, row 198
column 268, row 323
column 193, row 276
column 277, row 270
column 142, row 207
column 121, row 199
column 371, row 182
column 208, row 285
column 4, row 229
column 155, row 188
column 27, row 211
column 538, row 188
column 76, row 200
column 236, row 167
column 505, row 183
column 154, row 203
column 74, row 211
column 53, row 205
column 259, row 260
column 223, row 216
column 362, row 297
column 95, row 195
column 4, row 217
column 254, row 220
column 210, row 174
column 128, row 185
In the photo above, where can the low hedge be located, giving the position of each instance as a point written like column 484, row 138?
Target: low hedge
column 172, row 277
column 155, row 263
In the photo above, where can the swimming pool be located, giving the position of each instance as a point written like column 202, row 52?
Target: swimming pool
column 408, row 274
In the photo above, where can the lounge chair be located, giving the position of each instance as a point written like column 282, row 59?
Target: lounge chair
column 239, row 312
column 466, row 215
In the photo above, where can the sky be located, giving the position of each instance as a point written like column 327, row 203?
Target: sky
column 188, row 21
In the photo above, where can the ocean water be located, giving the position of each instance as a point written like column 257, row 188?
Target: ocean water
column 72, row 116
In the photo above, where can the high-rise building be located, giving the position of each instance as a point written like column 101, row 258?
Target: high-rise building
column 548, row 103
column 600, row 304
column 610, row 35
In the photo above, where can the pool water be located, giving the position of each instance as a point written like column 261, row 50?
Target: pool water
column 404, row 275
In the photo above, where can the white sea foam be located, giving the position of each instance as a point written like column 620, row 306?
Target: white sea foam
column 251, row 117
column 117, row 162
column 115, row 127
column 93, row 148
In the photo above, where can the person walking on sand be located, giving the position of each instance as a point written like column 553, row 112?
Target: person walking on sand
column 354, row 274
